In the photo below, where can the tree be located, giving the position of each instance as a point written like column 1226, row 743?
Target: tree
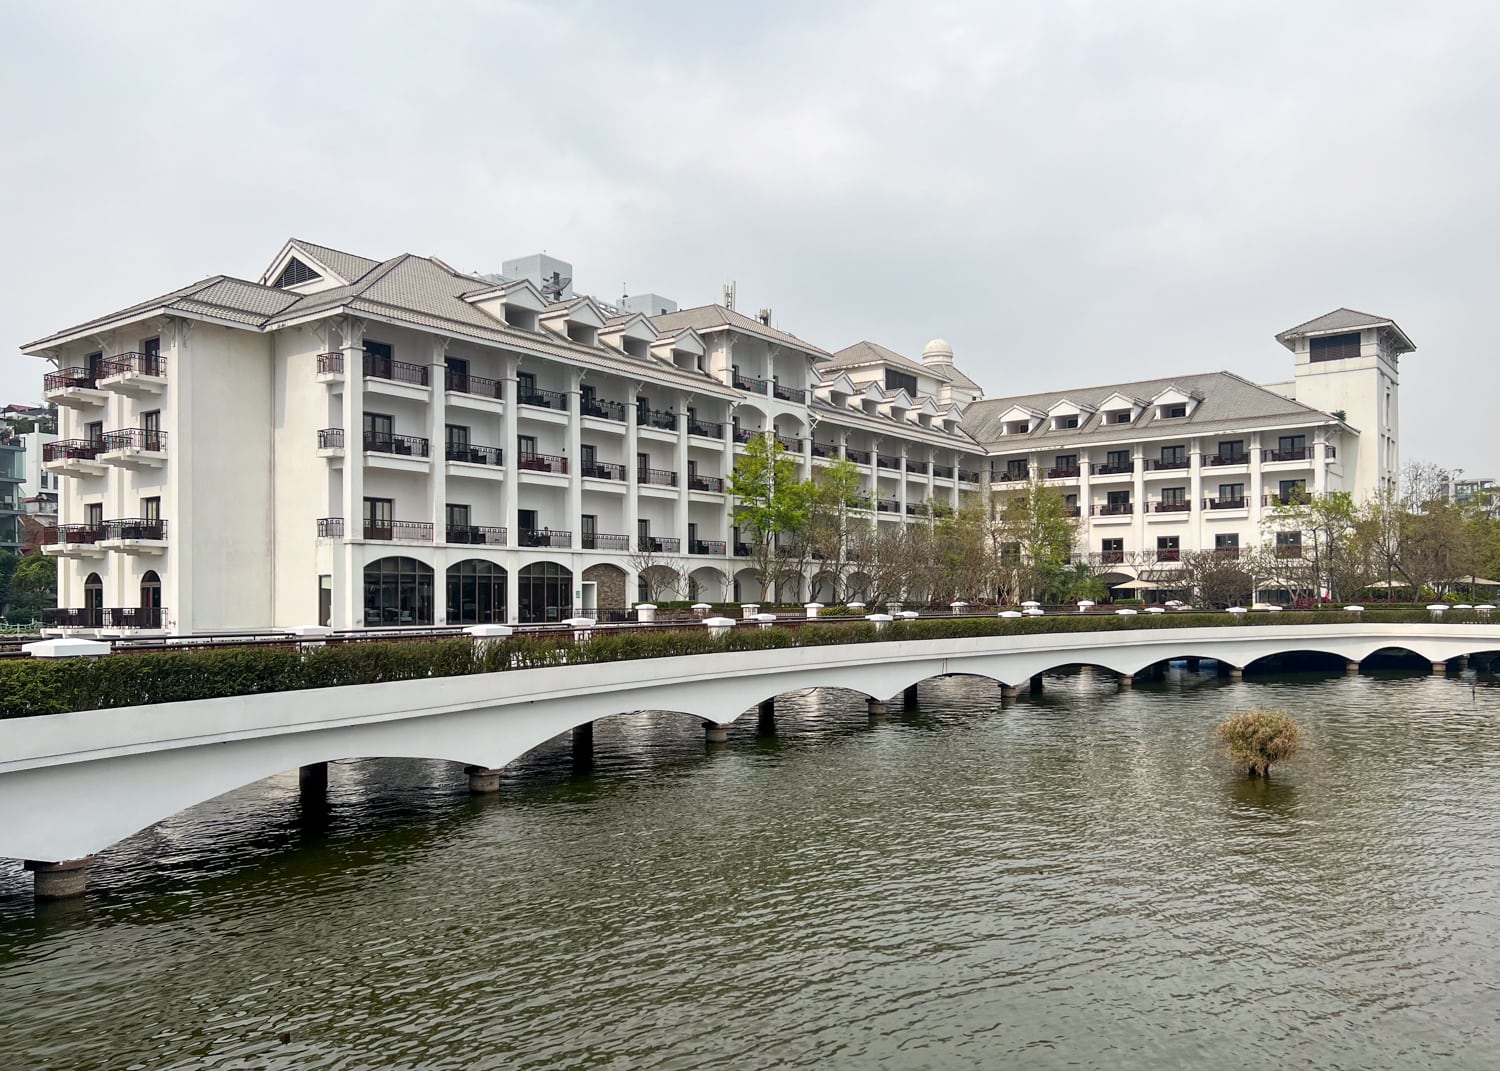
column 835, row 532
column 1257, row 738
column 8, row 564
column 1326, row 563
column 660, row 574
column 770, row 502
column 1216, row 580
column 33, row 588
column 962, row 551
column 1034, row 537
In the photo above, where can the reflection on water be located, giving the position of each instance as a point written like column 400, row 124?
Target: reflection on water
column 1077, row 879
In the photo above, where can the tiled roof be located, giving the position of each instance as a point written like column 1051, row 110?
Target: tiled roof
column 1228, row 402
column 708, row 318
column 351, row 267
column 865, row 353
column 217, row 297
column 958, row 439
column 1341, row 320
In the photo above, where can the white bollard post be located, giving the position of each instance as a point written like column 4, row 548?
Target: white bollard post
column 748, row 610
column 878, row 620
column 718, row 626
column 645, row 612
column 812, row 609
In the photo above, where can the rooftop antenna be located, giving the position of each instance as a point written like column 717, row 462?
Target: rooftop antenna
column 729, row 296
column 554, row 287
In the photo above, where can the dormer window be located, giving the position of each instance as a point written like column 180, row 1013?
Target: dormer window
column 1017, row 427
column 525, row 319
column 1065, row 423
column 583, row 334
column 1173, row 412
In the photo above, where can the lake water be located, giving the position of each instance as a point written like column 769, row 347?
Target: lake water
column 1075, row 880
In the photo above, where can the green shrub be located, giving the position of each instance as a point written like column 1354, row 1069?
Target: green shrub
column 1257, row 738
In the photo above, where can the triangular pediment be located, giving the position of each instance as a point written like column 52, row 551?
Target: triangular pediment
column 1068, row 407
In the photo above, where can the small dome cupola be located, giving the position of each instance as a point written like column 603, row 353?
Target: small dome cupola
column 938, row 352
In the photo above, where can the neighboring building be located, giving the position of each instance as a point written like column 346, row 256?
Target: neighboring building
column 361, row 442
column 1482, row 489
column 1159, row 467
column 39, row 487
column 12, row 474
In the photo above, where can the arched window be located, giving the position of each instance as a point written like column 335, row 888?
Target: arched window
column 545, row 592
column 150, row 616
column 398, row 591
column 476, row 593
column 93, row 600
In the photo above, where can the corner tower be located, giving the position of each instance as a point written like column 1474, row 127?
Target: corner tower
column 1347, row 363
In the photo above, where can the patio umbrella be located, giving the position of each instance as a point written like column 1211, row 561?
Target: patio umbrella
column 1136, row 585
column 1472, row 581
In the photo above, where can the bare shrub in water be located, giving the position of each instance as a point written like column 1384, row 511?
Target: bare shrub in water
column 1257, row 738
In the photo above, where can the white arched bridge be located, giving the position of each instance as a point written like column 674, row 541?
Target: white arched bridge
column 73, row 784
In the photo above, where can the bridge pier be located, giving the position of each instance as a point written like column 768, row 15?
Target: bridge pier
column 1440, row 669
column 1351, row 668
column 909, row 699
column 1036, row 684
column 877, row 708
column 483, row 781
column 1127, row 682
column 312, row 780
column 1010, row 691
column 1236, row 673
column 58, row 880
column 765, row 721
column 1463, row 662
column 583, row 746
column 715, row 734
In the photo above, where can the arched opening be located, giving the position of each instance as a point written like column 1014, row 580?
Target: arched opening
column 858, row 586
column 93, row 601
column 398, row 591
column 545, row 592
column 746, row 586
column 657, row 583
column 610, row 600
column 476, row 593
column 150, row 600
column 706, row 584
column 1297, row 662
column 822, row 589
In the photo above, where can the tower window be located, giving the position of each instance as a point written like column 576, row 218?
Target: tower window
column 1334, row 347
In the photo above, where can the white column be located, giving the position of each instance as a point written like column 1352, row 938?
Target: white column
column 680, row 464
column 1138, row 496
column 575, row 454
column 1257, row 509
column 350, row 613
column 1196, row 512
column 437, row 482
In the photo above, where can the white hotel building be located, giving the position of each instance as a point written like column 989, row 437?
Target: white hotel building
column 364, row 443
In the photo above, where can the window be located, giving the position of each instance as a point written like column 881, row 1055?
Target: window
column 457, row 374
column 295, row 274
column 378, row 515
column 476, row 593
column 1334, row 347
column 1171, row 412
column 1112, row 550
column 545, row 591
column 1231, row 492
column 1168, row 549
column 1064, row 423
column 1122, row 417
column 1292, row 491
column 900, row 381
column 1010, row 554
column 588, row 528
column 151, row 597
column 526, row 445
column 1118, row 502
column 379, row 431
column 1174, row 496
column 457, row 516
column 1288, row 544
column 93, row 600
column 1173, row 456
column 1118, row 461
column 1227, row 544
column 398, row 591
column 526, row 388
column 1232, row 450
column 151, row 351
column 1066, row 462
column 151, row 508
column 93, row 514
column 1288, row 444
column 325, row 600
column 1016, row 469
column 457, row 437
column 151, row 426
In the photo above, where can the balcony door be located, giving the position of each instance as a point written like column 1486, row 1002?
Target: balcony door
column 457, row 437
column 456, row 519
column 526, row 521
column 151, row 600
column 588, row 456
column 457, row 374
column 380, row 431
column 93, row 600
column 588, row 526
column 379, row 518
column 693, row 537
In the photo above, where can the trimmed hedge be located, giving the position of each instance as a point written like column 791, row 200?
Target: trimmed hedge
column 33, row 686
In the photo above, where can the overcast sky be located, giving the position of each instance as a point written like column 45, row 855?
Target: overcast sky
column 1072, row 192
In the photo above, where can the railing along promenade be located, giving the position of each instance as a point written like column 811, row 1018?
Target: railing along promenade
column 115, row 743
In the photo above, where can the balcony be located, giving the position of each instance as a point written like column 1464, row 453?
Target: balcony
column 546, row 537
column 473, row 392
column 1290, row 498
column 968, row 476
column 918, row 467
column 1067, row 472
column 602, row 408
column 1289, row 550
column 330, row 528
column 542, row 399
column 331, row 367
column 135, row 448
column 1226, row 459
column 331, row 442
column 714, row 547
column 377, row 367
column 1112, row 557
column 659, row 544
column 1113, row 470
column 543, row 463
column 1300, row 454
column 742, row 550
column 714, row 484
column 887, row 461
column 76, row 457
column 943, row 472
column 469, row 454
column 380, row 442
column 112, row 617
column 1227, row 553
column 859, row 457
column 1116, row 509
column 1168, row 554
column 887, row 506
column 744, row 435
column 1226, row 503
column 707, row 429
column 1167, row 464
column 602, row 470
column 655, row 418
column 1170, row 507
column 754, row 386
column 604, row 541
column 475, row 535
column 73, row 540
column 789, row 394
column 399, row 531
column 790, row 443
column 1072, row 511
column 656, row 477
column 824, row 449
column 147, row 534
column 1010, row 475
column 134, row 373
column 73, row 388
